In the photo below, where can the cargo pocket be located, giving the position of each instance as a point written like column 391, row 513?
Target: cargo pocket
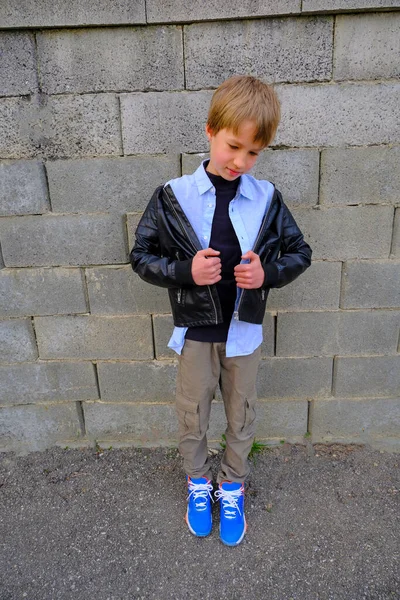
column 188, row 414
column 249, row 416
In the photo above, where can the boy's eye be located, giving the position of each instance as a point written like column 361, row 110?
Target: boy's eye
column 254, row 153
column 233, row 147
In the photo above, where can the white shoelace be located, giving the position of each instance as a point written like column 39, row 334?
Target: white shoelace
column 229, row 501
column 200, row 491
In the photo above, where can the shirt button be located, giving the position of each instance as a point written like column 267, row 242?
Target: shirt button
column 205, row 237
column 210, row 205
column 213, row 190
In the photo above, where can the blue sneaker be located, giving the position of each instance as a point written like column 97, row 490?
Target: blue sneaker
column 232, row 520
column 198, row 514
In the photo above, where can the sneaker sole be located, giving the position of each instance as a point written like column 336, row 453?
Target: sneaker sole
column 193, row 531
column 239, row 540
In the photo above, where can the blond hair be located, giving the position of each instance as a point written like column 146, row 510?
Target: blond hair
column 241, row 98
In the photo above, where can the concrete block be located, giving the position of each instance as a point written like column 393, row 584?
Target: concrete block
column 163, row 326
column 317, row 288
column 17, row 341
column 183, row 117
column 47, row 382
column 26, row 429
column 123, row 184
column 94, row 338
column 53, row 13
column 360, row 175
column 132, row 221
column 268, row 345
column 137, row 381
column 367, row 46
column 294, row 172
column 294, row 377
column 347, row 5
column 17, row 65
column 339, row 115
column 273, row 49
column 141, row 424
column 63, row 240
column 361, row 421
column 118, row 290
column 118, row 59
column 25, row 292
column 348, row 232
column 60, row 126
column 369, row 284
column 23, row 188
column 395, row 250
column 373, row 376
column 177, row 11
column 329, row 333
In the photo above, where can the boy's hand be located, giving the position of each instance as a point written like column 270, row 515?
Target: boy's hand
column 249, row 276
column 206, row 267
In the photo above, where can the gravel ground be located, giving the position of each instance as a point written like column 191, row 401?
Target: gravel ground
column 323, row 524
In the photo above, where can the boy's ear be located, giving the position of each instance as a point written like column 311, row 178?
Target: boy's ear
column 209, row 132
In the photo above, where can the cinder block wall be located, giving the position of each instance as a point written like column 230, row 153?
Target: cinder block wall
column 104, row 101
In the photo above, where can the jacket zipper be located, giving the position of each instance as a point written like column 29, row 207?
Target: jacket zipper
column 236, row 313
column 195, row 250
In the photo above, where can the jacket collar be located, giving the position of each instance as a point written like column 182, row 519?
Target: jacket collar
column 204, row 183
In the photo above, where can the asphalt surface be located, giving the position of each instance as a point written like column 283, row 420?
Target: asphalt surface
column 323, row 524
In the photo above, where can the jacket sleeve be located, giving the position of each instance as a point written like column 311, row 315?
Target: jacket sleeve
column 295, row 255
column 146, row 258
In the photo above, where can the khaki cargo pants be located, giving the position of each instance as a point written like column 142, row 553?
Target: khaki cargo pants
column 202, row 365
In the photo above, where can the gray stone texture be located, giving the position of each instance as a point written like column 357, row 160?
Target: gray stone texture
column 268, row 345
column 178, row 11
column 60, row 126
column 2, row 265
column 294, row 172
column 118, row 290
column 338, row 115
column 163, row 326
column 26, row 429
column 375, row 376
column 132, row 220
column 91, row 337
column 395, row 250
column 17, row 341
column 25, row 292
column 63, row 240
column 118, row 59
column 288, row 49
column 348, row 232
column 23, row 188
column 322, row 333
column 47, row 382
column 137, row 423
column 360, row 175
column 317, row 288
column 17, row 64
column 369, row 284
column 137, row 381
column 55, row 13
column 356, row 421
column 164, row 122
column 294, row 377
column 123, row 184
column 367, row 46
column 347, row 5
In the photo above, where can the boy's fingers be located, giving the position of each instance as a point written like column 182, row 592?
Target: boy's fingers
column 209, row 252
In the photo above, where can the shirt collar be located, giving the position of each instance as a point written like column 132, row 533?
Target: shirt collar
column 204, row 183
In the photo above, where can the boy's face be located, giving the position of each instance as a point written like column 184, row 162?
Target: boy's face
column 232, row 155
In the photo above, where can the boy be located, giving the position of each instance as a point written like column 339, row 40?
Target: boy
column 219, row 240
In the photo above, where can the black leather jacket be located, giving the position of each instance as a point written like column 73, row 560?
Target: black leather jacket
column 166, row 244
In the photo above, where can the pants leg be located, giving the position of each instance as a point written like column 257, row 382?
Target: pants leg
column 238, row 388
column 198, row 375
